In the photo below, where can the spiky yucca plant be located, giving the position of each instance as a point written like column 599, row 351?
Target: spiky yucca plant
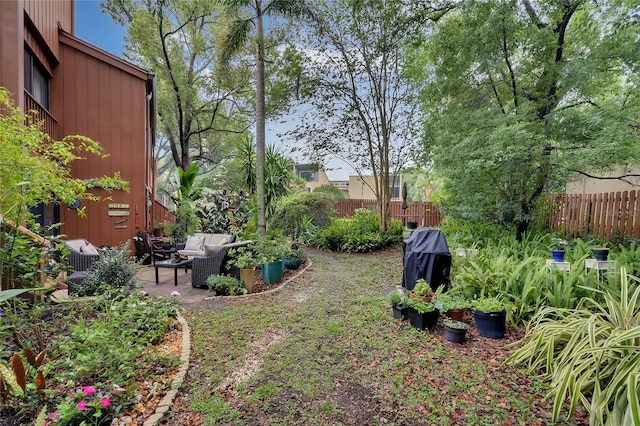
column 591, row 351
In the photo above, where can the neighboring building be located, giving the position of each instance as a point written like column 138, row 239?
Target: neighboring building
column 77, row 88
column 312, row 174
column 342, row 185
column 585, row 185
column 361, row 188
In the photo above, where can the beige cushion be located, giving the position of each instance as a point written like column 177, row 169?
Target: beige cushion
column 89, row 249
column 195, row 243
column 210, row 250
column 223, row 242
column 215, row 239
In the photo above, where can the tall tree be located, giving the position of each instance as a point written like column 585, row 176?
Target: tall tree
column 522, row 93
column 363, row 107
column 245, row 16
column 175, row 39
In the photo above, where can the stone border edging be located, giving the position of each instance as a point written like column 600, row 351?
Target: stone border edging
column 165, row 404
column 284, row 284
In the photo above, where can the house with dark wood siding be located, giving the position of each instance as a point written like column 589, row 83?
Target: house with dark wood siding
column 77, row 88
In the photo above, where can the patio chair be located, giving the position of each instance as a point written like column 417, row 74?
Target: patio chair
column 214, row 262
column 81, row 256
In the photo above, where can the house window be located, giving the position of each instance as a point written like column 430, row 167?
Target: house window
column 309, row 176
column 395, row 191
column 36, row 79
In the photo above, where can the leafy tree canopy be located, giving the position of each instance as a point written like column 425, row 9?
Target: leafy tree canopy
column 520, row 94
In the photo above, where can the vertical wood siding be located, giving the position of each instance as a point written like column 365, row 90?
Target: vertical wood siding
column 47, row 15
column 108, row 105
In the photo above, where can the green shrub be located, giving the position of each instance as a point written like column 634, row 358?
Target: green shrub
column 113, row 273
column 330, row 190
column 222, row 213
column 225, row 285
column 358, row 234
column 291, row 212
column 590, row 354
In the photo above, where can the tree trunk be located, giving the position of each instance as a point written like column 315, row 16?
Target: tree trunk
column 260, row 126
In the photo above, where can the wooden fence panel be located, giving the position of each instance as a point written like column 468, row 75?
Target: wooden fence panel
column 425, row 213
column 609, row 217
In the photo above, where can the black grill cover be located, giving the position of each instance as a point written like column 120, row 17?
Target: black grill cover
column 425, row 254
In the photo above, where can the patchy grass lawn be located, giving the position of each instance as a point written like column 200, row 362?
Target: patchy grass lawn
column 325, row 350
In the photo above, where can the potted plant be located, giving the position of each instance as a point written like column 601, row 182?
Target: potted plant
column 422, row 315
column 167, row 244
column 398, row 301
column 158, row 229
column 244, row 259
column 558, row 249
column 490, row 317
column 601, row 253
column 455, row 331
column 270, row 251
column 453, row 305
column 422, row 291
column 294, row 258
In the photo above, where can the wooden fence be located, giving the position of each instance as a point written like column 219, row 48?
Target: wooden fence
column 607, row 217
column 425, row 213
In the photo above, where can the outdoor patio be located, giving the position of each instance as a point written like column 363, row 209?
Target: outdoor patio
column 165, row 286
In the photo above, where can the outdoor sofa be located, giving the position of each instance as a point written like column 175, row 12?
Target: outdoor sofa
column 214, row 261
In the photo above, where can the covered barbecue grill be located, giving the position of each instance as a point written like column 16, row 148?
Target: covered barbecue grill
column 425, row 254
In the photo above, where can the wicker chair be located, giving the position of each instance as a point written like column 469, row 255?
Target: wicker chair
column 214, row 264
column 79, row 262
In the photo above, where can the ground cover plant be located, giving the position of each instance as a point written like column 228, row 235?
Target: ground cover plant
column 78, row 361
column 325, row 349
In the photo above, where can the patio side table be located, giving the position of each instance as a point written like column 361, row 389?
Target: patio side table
column 186, row 264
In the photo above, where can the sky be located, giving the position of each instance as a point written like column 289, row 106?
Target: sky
column 99, row 29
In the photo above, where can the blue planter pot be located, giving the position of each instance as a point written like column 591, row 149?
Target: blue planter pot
column 491, row 324
column 291, row 263
column 557, row 255
column 272, row 272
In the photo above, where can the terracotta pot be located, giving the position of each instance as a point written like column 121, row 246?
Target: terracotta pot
column 425, row 299
column 455, row 314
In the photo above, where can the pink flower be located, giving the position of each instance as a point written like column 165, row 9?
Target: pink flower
column 82, row 406
column 144, row 293
column 175, row 293
column 105, row 402
column 88, row 390
column 118, row 388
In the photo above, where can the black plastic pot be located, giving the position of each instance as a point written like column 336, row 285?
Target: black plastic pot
column 491, row 324
column 400, row 312
column 412, row 225
column 427, row 320
column 455, row 335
